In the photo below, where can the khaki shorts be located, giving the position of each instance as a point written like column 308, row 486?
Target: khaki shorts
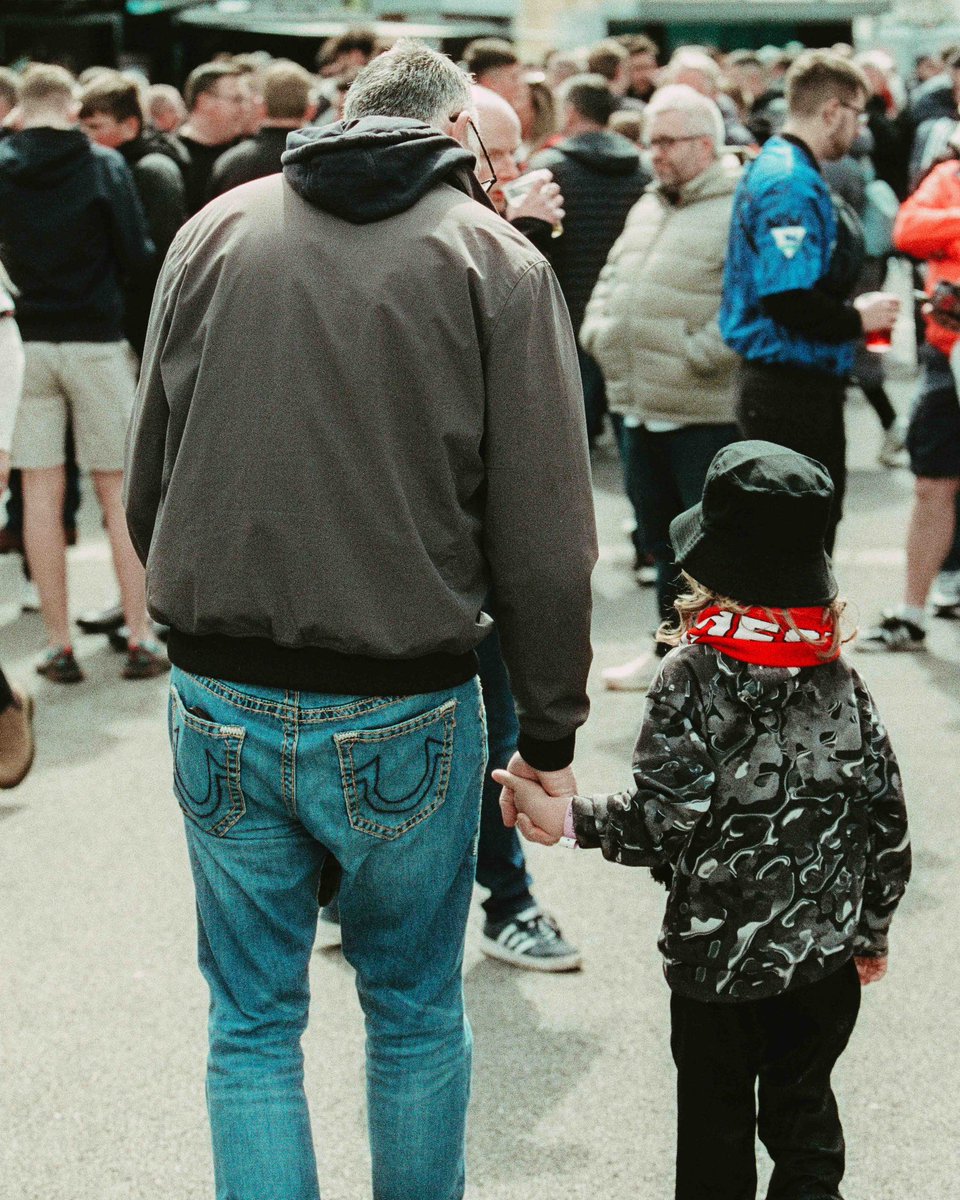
column 90, row 384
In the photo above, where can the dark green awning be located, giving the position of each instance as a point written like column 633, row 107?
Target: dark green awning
column 781, row 12
column 266, row 23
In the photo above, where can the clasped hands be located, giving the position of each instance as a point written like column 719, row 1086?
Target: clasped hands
column 535, row 801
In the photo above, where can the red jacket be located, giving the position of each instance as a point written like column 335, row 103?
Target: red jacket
column 928, row 226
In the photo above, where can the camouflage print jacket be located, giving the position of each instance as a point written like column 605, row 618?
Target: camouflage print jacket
column 773, row 797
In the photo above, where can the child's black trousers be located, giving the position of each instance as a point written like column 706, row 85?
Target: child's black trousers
column 762, row 1066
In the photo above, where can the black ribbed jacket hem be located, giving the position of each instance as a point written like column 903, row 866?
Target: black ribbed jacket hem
column 40, row 329
column 259, row 663
column 546, row 756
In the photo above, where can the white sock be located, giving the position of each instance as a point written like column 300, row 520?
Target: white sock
column 916, row 616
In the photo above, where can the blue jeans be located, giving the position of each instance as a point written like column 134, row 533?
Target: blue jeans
column 270, row 781
column 631, row 483
column 501, row 866
column 594, row 394
column 669, row 470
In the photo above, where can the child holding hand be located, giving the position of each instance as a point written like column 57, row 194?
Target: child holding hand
column 767, row 793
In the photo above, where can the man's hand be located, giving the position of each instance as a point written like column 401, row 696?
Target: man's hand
column 878, row 310
column 871, row 969
column 561, row 784
column 538, row 814
column 4, row 470
column 543, row 201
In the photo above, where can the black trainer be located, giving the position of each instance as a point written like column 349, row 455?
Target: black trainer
column 101, row 620
column 531, row 940
column 892, row 633
column 59, row 666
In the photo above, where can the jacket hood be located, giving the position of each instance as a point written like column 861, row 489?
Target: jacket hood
column 375, row 167
column 606, row 153
column 760, row 688
column 44, row 157
column 151, row 141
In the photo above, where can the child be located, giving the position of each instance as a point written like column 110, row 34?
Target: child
column 766, row 790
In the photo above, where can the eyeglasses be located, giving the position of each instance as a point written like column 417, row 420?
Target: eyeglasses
column 862, row 118
column 486, row 184
column 668, row 143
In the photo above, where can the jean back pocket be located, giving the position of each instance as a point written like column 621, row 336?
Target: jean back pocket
column 206, row 767
column 395, row 777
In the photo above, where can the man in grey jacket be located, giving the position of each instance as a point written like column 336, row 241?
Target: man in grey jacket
column 322, row 506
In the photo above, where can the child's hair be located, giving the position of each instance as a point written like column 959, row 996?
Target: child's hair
column 690, row 605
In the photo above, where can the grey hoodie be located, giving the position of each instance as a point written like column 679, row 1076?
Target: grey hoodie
column 359, row 414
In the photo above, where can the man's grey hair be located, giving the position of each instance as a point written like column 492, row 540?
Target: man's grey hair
column 701, row 113
column 410, row 80
column 691, row 59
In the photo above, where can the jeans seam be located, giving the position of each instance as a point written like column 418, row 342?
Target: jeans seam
column 289, row 754
column 281, row 709
column 412, row 725
column 319, row 716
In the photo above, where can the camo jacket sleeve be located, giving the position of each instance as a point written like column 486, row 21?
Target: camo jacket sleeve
column 673, row 775
column 888, row 857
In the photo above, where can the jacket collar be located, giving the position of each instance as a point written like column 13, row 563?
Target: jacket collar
column 804, row 148
column 715, row 180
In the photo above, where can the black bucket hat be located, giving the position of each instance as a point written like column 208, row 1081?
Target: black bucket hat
column 757, row 535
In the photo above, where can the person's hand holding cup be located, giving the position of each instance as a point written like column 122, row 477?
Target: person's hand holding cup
column 535, row 195
column 878, row 315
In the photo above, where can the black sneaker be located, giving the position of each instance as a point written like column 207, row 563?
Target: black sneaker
column 892, row 633
column 119, row 639
column 101, row 620
column 531, row 940
column 59, row 666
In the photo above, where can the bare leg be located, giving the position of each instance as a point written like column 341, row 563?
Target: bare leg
column 130, row 575
column 43, row 539
column 929, row 536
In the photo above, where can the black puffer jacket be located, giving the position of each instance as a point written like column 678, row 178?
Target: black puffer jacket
column 601, row 179
column 773, row 797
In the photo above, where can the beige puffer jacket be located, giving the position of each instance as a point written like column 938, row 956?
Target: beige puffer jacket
column 651, row 323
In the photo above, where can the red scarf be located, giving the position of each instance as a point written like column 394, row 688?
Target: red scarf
column 765, row 636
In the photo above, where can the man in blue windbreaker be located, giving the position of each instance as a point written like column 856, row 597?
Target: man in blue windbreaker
column 794, row 256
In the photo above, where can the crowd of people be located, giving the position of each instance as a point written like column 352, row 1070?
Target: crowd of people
column 687, row 256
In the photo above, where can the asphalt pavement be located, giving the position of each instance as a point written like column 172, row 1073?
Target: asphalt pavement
column 102, row 1010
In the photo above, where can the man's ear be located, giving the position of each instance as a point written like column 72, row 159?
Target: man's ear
column 457, row 128
column 831, row 111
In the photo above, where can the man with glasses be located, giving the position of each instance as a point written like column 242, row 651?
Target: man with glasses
column 323, row 511
column 216, row 97
column 651, row 324
column 794, row 258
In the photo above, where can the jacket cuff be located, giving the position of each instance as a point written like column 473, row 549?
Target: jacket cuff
column 584, row 822
column 546, row 756
column 871, row 943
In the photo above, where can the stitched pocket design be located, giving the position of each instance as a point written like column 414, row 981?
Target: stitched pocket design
column 206, row 768
column 394, row 778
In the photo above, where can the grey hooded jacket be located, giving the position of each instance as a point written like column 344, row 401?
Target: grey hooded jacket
column 359, row 415
column 773, row 799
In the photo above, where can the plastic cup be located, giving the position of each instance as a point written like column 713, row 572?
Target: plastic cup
column 878, row 340
column 516, row 189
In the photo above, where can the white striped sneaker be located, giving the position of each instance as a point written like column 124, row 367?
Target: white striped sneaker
column 531, row 940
